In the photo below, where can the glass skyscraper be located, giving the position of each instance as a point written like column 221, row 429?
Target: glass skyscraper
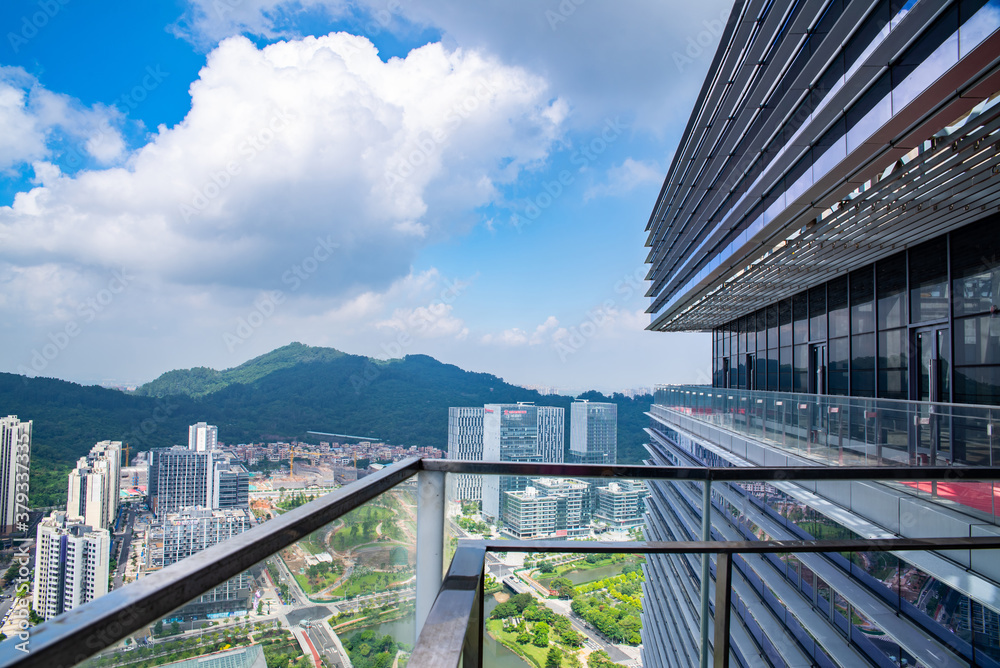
column 831, row 219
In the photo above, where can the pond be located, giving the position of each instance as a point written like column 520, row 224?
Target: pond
column 599, row 573
column 495, row 655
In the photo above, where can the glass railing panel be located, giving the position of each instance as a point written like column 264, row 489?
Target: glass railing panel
column 540, row 603
column 342, row 596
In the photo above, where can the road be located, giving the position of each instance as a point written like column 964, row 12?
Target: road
column 594, row 638
column 126, row 545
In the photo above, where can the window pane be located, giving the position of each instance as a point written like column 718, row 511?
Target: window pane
column 772, row 326
column 893, row 347
column 863, row 365
column 761, row 332
column 785, row 322
column 891, row 279
column 800, row 375
column 817, row 313
column 800, row 317
column 840, row 355
column 977, row 385
column 928, row 282
column 837, row 307
column 975, row 268
column 785, row 369
column 862, row 301
column 977, row 340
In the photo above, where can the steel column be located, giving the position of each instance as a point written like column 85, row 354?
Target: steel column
column 723, row 598
column 430, row 542
column 706, row 535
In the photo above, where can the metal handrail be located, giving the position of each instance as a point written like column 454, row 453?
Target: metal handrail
column 81, row 632
column 458, row 616
column 84, row 631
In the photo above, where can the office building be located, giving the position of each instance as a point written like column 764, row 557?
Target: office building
column 72, row 563
column 95, row 486
column 519, row 432
column 15, row 452
column 574, row 507
column 593, row 433
column 203, row 437
column 191, row 530
column 231, row 485
column 830, row 218
column 465, row 441
column 621, row 504
column 180, row 478
column 528, row 514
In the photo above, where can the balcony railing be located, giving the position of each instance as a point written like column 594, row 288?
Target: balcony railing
column 449, row 612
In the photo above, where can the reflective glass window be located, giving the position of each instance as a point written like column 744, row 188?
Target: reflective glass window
column 862, row 300
column 928, row 282
column 761, row 326
column 800, row 317
column 800, row 369
column 975, row 268
column 891, row 286
column 772, row 326
column 817, row 313
column 838, row 365
column 863, row 365
column 837, row 307
column 893, row 351
column 785, row 322
column 785, row 368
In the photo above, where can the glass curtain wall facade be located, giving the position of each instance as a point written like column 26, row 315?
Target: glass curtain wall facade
column 832, row 218
column 923, row 324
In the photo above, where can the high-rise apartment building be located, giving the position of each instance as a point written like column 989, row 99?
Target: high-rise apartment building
column 178, row 478
column 72, row 563
column 191, row 530
column 15, row 455
column 181, row 478
column 830, row 218
column 465, row 441
column 593, row 433
column 519, row 432
column 95, row 486
column 203, row 437
column 620, row 504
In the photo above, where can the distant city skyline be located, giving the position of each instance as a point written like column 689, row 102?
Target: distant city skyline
column 200, row 185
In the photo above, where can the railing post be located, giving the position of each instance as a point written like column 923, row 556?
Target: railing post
column 472, row 648
column 706, row 535
column 723, row 599
column 430, row 542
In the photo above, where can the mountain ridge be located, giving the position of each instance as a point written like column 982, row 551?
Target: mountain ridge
column 280, row 395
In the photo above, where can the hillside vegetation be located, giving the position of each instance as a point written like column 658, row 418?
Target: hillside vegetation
column 277, row 396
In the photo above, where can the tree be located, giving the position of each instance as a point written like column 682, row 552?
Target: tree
column 554, row 658
column 541, row 638
column 547, row 567
column 563, row 587
column 158, row 629
column 175, row 628
column 524, row 638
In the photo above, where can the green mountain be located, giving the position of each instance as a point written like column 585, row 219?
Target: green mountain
column 199, row 381
column 277, row 396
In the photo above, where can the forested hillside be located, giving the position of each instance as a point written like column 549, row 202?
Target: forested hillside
column 281, row 395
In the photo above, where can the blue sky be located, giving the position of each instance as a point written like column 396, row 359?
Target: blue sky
column 194, row 183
